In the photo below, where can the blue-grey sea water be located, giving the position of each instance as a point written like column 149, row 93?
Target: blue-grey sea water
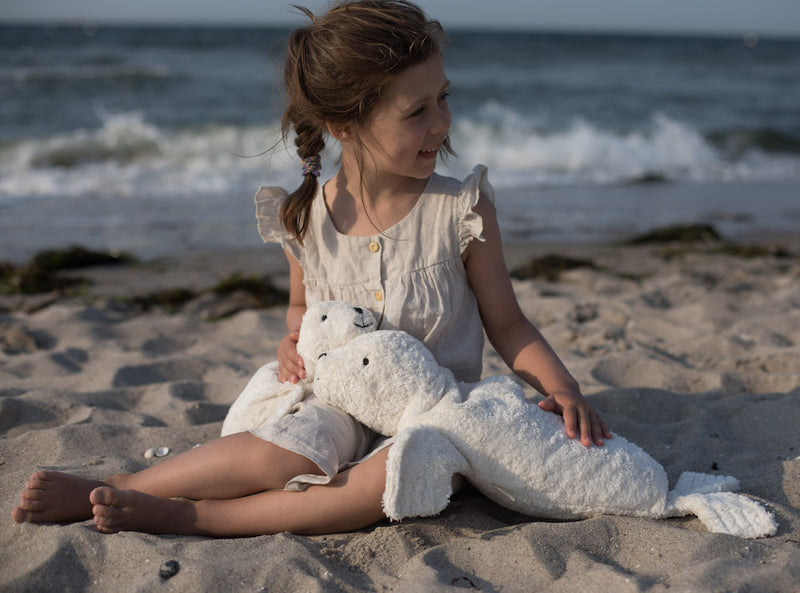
column 154, row 139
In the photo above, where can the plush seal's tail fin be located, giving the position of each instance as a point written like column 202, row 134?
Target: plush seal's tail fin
column 721, row 511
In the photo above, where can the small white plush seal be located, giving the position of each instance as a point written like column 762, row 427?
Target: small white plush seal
column 325, row 326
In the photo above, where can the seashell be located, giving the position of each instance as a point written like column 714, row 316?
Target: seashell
column 156, row 452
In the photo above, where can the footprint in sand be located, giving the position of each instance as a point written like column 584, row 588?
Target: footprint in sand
column 160, row 372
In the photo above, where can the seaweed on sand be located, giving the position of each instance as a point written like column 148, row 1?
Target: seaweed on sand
column 41, row 274
column 550, row 267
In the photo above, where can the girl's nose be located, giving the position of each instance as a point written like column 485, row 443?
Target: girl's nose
column 443, row 120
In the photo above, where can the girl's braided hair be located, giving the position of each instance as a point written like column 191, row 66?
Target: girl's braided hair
column 338, row 68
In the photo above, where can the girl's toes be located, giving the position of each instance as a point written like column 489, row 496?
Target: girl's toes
column 37, row 480
column 108, row 496
column 105, row 524
column 20, row 515
column 34, row 505
column 105, row 513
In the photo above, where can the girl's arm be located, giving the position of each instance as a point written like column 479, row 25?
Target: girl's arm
column 290, row 364
column 518, row 342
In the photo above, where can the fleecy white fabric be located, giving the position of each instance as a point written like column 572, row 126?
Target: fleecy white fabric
column 512, row 451
column 263, row 396
column 729, row 513
column 325, row 326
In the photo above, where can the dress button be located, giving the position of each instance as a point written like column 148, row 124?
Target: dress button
column 379, row 296
column 374, row 247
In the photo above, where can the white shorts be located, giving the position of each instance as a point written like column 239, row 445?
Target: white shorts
column 327, row 436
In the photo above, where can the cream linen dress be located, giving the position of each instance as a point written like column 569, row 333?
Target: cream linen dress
column 411, row 277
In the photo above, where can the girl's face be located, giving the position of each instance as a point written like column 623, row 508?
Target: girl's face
column 404, row 133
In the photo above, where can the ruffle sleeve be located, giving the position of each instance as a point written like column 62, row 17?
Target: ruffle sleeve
column 268, row 207
column 470, row 223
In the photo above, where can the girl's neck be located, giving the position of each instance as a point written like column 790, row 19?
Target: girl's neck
column 366, row 207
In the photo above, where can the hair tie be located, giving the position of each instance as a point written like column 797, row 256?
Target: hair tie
column 311, row 165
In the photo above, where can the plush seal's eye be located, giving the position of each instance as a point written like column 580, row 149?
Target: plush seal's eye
column 365, row 362
column 324, row 317
column 321, row 355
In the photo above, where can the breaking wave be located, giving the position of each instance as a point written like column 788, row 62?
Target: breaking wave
column 126, row 155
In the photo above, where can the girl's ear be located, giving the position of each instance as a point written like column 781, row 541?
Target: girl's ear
column 342, row 132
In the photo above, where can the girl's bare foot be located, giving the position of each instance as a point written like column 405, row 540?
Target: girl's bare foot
column 55, row 497
column 129, row 510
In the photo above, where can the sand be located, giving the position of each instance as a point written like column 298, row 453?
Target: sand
column 694, row 355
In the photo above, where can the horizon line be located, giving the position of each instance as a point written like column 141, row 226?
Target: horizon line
column 93, row 24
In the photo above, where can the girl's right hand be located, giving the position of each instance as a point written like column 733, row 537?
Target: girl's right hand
column 290, row 364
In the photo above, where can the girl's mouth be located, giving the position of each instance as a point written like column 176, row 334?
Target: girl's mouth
column 431, row 153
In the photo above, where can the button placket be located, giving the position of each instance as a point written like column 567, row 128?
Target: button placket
column 375, row 247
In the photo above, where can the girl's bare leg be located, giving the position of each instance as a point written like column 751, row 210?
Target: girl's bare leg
column 230, row 467
column 351, row 501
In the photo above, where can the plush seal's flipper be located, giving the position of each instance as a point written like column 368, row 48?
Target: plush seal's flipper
column 262, row 397
column 420, row 471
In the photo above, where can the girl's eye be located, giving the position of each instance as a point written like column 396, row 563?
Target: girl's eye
column 440, row 99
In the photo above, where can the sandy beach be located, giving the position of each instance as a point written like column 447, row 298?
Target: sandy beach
column 693, row 352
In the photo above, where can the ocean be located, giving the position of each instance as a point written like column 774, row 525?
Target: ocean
column 154, row 139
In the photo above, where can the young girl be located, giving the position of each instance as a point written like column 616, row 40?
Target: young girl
column 421, row 251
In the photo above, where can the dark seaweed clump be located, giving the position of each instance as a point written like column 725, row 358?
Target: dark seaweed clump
column 41, row 273
column 550, row 267
column 681, row 239
column 260, row 289
column 233, row 293
column 689, row 233
column 171, row 299
column 755, row 251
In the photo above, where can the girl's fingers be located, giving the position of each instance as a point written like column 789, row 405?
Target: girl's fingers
column 586, row 428
column 597, row 431
column 583, row 422
column 290, row 373
column 548, row 404
column 571, row 422
column 606, row 432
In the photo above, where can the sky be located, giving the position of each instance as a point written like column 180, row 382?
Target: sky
column 739, row 17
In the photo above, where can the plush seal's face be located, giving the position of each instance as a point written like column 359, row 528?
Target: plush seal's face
column 328, row 325
column 382, row 379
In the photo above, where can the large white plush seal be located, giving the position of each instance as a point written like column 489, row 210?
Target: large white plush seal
column 325, row 326
column 511, row 450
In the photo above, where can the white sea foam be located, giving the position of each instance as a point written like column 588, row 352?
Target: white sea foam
column 128, row 156
column 527, row 154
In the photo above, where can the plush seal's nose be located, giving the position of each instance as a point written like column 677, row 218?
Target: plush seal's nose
column 358, row 310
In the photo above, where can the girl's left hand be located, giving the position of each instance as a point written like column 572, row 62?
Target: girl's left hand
column 290, row 363
column 579, row 415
